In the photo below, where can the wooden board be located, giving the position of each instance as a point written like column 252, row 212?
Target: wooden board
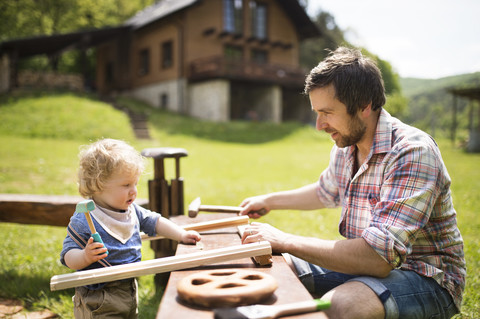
column 226, row 287
column 208, row 225
column 290, row 289
column 155, row 266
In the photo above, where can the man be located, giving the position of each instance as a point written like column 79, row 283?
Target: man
column 402, row 256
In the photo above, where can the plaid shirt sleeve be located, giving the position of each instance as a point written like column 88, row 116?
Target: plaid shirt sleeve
column 408, row 194
column 327, row 187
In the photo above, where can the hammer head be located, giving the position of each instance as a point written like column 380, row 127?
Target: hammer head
column 85, row 206
column 194, row 207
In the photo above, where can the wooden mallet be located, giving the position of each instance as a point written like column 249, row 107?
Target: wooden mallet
column 196, row 206
column 86, row 207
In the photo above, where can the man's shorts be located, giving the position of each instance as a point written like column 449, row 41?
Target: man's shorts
column 404, row 294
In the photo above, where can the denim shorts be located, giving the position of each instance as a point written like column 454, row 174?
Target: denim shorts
column 404, row 294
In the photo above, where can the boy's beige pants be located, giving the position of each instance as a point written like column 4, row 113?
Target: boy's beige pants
column 118, row 299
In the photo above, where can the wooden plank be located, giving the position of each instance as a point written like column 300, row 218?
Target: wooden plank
column 260, row 260
column 290, row 289
column 208, row 225
column 52, row 210
column 149, row 267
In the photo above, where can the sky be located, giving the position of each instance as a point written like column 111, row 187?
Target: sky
column 419, row 38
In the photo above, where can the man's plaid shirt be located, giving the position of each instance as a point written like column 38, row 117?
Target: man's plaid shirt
column 399, row 201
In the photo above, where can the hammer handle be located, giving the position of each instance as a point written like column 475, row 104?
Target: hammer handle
column 219, row 209
column 90, row 223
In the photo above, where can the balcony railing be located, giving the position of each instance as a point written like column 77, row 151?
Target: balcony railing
column 220, row 67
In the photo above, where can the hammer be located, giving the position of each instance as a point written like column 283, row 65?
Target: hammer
column 196, row 206
column 86, row 207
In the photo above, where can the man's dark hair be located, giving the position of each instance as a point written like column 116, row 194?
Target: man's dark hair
column 356, row 79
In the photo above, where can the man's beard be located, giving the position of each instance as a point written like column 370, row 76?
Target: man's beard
column 357, row 131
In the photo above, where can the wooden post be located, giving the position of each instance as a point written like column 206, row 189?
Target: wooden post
column 155, row 266
column 160, row 198
column 454, row 121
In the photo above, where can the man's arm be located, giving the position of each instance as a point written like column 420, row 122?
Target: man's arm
column 303, row 198
column 350, row 256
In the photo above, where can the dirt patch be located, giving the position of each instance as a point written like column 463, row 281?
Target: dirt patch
column 13, row 309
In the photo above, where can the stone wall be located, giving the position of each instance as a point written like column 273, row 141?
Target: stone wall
column 50, row 80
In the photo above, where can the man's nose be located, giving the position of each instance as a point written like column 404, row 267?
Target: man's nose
column 320, row 123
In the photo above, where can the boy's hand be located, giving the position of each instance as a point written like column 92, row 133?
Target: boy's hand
column 190, row 237
column 94, row 251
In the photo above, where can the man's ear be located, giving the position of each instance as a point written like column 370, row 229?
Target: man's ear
column 366, row 110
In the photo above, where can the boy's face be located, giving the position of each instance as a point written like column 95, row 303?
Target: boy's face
column 120, row 191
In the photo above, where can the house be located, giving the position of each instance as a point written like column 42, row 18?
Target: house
column 219, row 60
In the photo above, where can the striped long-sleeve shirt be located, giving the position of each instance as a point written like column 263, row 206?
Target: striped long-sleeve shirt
column 399, row 201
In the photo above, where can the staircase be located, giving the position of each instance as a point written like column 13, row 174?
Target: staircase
column 139, row 123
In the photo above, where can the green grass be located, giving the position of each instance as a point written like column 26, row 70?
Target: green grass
column 226, row 163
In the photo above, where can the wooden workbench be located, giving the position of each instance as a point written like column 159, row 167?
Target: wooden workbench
column 290, row 289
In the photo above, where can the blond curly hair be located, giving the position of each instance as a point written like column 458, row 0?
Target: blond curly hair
column 101, row 159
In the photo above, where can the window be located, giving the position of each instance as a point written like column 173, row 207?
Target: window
column 233, row 16
column 167, row 55
column 259, row 56
column 144, row 62
column 233, row 52
column 259, row 20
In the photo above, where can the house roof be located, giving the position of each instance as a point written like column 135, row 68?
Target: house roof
column 472, row 93
column 52, row 44
column 157, row 11
column 305, row 27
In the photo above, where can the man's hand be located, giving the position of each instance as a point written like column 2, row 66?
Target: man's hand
column 264, row 232
column 254, row 207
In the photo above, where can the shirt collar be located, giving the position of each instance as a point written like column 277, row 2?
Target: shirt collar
column 382, row 140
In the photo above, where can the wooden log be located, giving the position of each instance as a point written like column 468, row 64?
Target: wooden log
column 208, row 225
column 51, row 210
column 264, row 260
column 142, row 268
column 37, row 209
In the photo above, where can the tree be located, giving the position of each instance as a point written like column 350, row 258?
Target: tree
column 312, row 51
column 29, row 18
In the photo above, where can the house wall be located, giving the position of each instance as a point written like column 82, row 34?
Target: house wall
column 208, row 15
column 197, row 32
column 198, row 19
column 4, row 74
column 210, row 100
column 152, row 38
column 168, row 95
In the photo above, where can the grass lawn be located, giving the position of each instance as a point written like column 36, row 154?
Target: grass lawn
column 41, row 135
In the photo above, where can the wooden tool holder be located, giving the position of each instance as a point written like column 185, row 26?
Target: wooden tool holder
column 165, row 198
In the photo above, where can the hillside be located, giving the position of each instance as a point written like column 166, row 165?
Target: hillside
column 430, row 104
column 415, row 86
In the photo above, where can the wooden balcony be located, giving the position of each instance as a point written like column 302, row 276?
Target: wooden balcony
column 220, row 67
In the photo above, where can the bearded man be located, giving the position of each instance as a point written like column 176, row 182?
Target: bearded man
column 402, row 256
